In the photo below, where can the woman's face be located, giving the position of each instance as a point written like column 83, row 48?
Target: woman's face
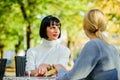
column 53, row 31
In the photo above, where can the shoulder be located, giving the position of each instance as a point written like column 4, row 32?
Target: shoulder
column 113, row 47
column 64, row 48
column 91, row 42
column 33, row 50
column 95, row 43
column 91, row 48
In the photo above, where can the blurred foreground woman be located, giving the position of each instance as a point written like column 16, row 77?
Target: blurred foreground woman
column 98, row 60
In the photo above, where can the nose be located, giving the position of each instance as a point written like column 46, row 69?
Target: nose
column 57, row 30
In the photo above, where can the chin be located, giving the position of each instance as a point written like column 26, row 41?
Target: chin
column 52, row 39
column 55, row 38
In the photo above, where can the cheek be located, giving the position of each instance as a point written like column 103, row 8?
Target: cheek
column 59, row 31
column 49, row 32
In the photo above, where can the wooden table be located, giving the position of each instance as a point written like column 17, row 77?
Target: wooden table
column 29, row 78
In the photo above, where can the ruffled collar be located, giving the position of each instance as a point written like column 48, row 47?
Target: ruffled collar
column 48, row 43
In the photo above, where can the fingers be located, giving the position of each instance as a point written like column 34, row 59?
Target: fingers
column 48, row 70
column 49, row 67
column 43, row 68
column 51, row 72
column 54, row 66
column 42, row 71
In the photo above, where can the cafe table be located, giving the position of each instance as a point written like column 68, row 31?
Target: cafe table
column 28, row 78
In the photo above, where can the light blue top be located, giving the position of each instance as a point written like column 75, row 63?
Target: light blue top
column 97, row 61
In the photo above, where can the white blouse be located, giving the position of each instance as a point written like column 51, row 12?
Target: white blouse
column 49, row 52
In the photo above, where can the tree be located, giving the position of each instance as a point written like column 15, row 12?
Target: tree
column 20, row 20
column 110, row 8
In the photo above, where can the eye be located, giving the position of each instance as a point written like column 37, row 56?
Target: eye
column 53, row 24
column 58, row 24
column 52, row 27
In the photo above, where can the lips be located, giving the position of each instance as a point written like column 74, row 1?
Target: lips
column 55, row 35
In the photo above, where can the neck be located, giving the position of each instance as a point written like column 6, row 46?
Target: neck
column 50, row 43
column 92, row 36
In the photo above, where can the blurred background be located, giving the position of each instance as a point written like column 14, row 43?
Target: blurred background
column 20, row 21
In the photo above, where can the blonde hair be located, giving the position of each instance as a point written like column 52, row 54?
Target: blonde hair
column 95, row 22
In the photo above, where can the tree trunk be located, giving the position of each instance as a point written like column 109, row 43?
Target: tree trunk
column 17, row 47
column 28, row 36
column 1, row 50
column 28, row 30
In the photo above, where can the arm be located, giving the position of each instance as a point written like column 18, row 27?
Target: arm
column 64, row 57
column 30, row 65
column 85, row 63
column 30, row 58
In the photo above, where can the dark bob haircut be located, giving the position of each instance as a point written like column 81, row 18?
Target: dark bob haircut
column 45, row 23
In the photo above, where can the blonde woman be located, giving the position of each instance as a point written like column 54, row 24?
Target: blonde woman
column 98, row 59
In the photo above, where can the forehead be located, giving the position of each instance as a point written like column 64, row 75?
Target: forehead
column 51, row 22
column 55, row 23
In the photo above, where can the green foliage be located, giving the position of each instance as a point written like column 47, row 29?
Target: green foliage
column 110, row 8
column 13, row 22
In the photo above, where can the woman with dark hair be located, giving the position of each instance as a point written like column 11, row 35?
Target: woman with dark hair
column 40, row 58
column 98, row 60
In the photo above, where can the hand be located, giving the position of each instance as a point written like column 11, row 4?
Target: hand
column 33, row 73
column 58, row 67
column 51, row 72
column 43, row 68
